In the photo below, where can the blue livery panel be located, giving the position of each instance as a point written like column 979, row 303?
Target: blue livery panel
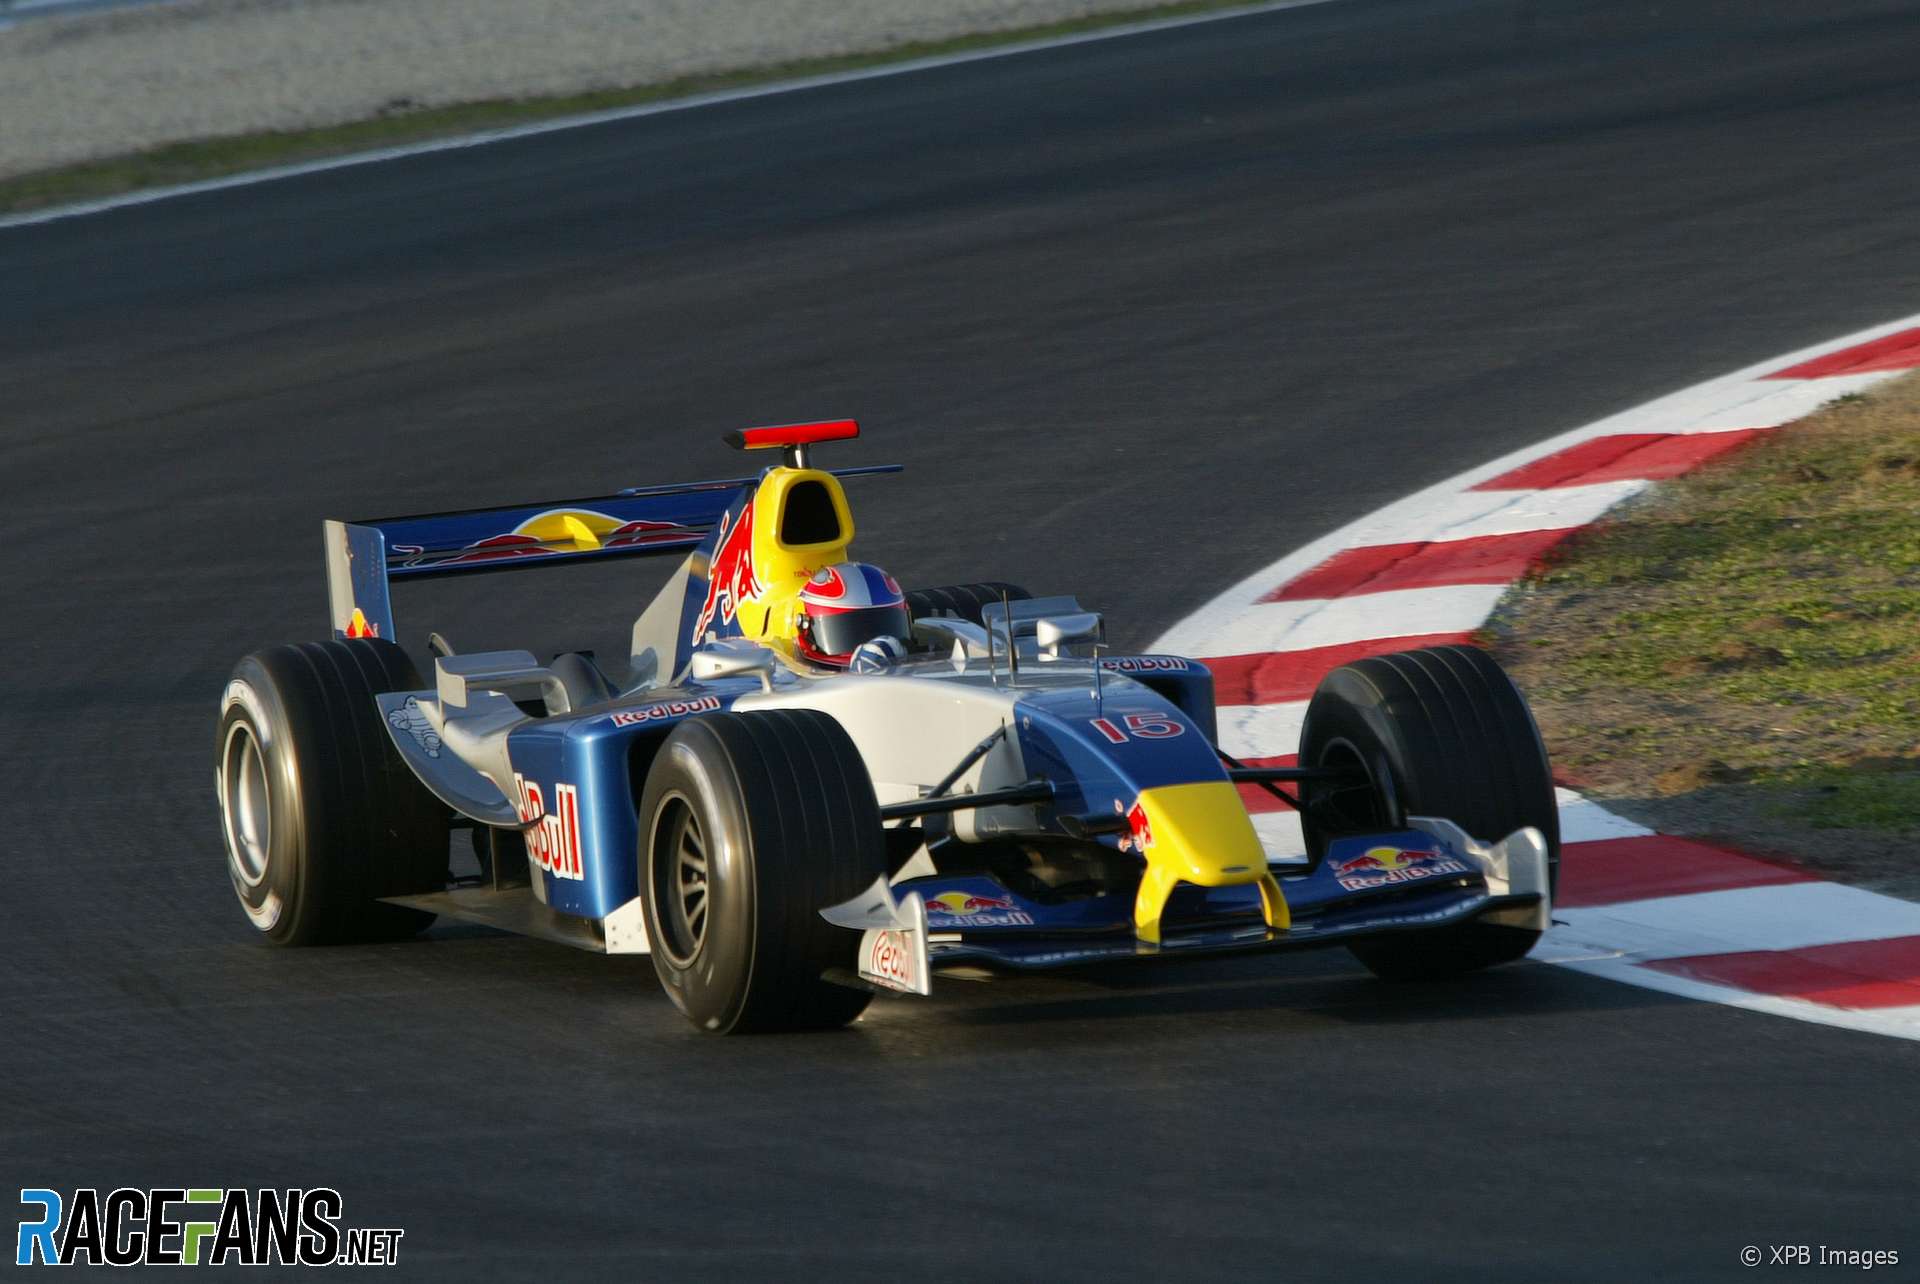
column 1102, row 755
column 574, row 791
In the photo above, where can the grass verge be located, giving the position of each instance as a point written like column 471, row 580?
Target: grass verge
column 1737, row 653
column 402, row 122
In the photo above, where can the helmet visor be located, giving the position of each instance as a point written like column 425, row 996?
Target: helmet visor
column 842, row 632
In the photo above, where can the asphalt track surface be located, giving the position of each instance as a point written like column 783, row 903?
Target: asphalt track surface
column 1139, row 316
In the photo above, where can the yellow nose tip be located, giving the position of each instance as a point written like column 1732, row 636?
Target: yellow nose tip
column 1199, row 833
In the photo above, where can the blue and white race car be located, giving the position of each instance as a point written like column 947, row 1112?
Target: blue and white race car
column 807, row 785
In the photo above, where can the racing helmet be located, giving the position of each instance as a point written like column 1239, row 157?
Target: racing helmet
column 845, row 605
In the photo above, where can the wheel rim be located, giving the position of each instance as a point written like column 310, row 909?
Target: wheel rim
column 681, row 884
column 246, row 805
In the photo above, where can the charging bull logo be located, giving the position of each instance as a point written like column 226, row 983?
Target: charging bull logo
column 556, row 531
column 1139, row 835
column 730, row 575
column 967, row 909
column 1384, row 866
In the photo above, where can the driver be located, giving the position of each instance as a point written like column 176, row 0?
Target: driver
column 845, row 606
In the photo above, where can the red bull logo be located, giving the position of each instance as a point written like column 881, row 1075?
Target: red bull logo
column 1146, row 664
column 636, row 533
column 1382, row 858
column 553, row 844
column 975, row 910
column 559, row 530
column 892, row 962
column 360, row 627
column 663, row 711
column 730, row 575
column 1382, row 866
column 1139, row 831
column 964, row 903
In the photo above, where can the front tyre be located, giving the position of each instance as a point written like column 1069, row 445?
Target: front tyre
column 750, row 824
column 1440, row 731
column 320, row 815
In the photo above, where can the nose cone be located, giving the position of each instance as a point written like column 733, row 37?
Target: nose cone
column 1198, row 833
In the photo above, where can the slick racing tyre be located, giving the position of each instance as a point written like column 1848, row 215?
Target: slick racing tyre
column 320, row 814
column 962, row 601
column 750, row 825
column 1455, row 739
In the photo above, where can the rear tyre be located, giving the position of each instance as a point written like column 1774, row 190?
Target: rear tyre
column 750, row 825
column 320, row 814
column 962, row 601
column 1454, row 738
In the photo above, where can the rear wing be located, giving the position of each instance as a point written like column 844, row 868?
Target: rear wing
column 365, row 557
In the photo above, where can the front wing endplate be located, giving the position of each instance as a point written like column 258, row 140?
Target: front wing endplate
column 893, row 937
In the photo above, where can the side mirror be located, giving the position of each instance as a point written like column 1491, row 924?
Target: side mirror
column 947, row 631
column 513, row 674
column 734, row 659
column 1054, row 631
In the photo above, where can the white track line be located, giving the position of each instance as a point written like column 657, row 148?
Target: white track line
column 906, row 67
column 1584, row 821
column 1899, row 1023
column 1784, row 916
column 1316, row 622
column 1260, row 730
column 1279, row 833
column 1472, row 513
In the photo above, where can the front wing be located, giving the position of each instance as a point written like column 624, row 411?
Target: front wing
column 1430, row 876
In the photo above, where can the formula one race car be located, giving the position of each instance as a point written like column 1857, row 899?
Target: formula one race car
column 808, row 785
